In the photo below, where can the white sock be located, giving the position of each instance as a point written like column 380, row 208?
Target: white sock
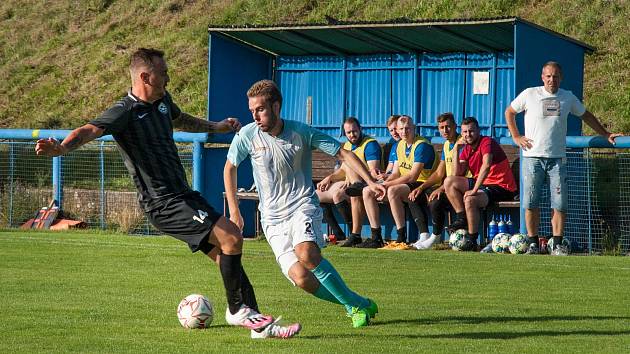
column 423, row 237
column 428, row 243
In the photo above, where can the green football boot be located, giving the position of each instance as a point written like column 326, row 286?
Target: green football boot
column 360, row 317
column 372, row 308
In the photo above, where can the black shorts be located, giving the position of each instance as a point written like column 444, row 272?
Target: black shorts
column 413, row 185
column 187, row 217
column 423, row 198
column 496, row 193
column 355, row 189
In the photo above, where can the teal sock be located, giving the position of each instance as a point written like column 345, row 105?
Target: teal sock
column 324, row 294
column 331, row 280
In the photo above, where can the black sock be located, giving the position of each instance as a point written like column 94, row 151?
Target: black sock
column 461, row 216
column 533, row 239
column 329, row 218
column 247, row 291
column 231, row 272
column 419, row 215
column 376, row 233
column 557, row 241
column 473, row 237
column 437, row 215
column 346, row 212
column 355, row 236
column 402, row 234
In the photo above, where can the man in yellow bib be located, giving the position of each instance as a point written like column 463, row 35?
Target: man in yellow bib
column 332, row 189
column 392, row 128
column 415, row 161
column 437, row 199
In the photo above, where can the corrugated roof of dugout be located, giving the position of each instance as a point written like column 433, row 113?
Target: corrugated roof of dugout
column 397, row 36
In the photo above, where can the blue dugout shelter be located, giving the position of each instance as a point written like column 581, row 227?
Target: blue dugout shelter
column 471, row 67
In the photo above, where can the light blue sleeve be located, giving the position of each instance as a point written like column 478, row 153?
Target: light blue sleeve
column 240, row 146
column 321, row 141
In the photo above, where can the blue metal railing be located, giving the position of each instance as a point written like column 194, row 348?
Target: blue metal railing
column 197, row 139
column 34, row 134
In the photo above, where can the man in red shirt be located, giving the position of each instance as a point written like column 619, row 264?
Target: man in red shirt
column 492, row 180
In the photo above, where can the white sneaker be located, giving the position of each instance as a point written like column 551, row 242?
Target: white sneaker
column 560, row 250
column 423, row 237
column 248, row 318
column 428, row 243
column 275, row 330
column 417, row 245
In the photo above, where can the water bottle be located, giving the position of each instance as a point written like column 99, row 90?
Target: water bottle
column 492, row 229
column 502, row 226
column 510, row 226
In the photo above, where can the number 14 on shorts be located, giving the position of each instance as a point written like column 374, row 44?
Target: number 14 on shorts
column 201, row 217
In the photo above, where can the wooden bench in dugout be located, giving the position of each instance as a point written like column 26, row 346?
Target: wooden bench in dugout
column 324, row 164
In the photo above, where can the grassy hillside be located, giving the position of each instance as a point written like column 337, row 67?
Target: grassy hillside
column 62, row 62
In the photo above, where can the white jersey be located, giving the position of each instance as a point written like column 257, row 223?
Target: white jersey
column 282, row 166
column 546, row 119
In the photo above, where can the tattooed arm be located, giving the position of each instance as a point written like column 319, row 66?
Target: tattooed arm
column 76, row 138
column 186, row 122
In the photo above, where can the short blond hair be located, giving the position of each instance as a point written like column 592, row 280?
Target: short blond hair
column 267, row 89
column 392, row 119
column 406, row 119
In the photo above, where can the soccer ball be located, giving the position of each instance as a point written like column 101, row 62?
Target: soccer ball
column 519, row 244
column 195, row 311
column 457, row 240
column 549, row 245
column 501, row 243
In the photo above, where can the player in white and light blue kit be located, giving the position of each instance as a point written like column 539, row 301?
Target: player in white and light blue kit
column 280, row 152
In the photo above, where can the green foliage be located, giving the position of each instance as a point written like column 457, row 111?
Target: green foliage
column 100, row 292
column 608, row 182
column 63, row 62
column 19, row 203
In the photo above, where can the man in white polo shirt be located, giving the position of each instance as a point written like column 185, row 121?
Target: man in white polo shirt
column 544, row 149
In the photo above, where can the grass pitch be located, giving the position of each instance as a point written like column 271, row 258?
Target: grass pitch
column 93, row 292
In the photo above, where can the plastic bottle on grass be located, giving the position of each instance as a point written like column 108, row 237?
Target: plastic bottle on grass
column 493, row 228
column 510, row 225
column 502, row 227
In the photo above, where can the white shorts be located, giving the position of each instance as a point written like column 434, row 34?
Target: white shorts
column 303, row 226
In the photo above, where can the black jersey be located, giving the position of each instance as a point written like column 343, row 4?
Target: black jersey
column 144, row 134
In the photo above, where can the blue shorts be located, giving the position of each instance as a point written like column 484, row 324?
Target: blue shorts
column 537, row 171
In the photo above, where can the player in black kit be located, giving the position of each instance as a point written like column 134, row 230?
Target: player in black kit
column 142, row 125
